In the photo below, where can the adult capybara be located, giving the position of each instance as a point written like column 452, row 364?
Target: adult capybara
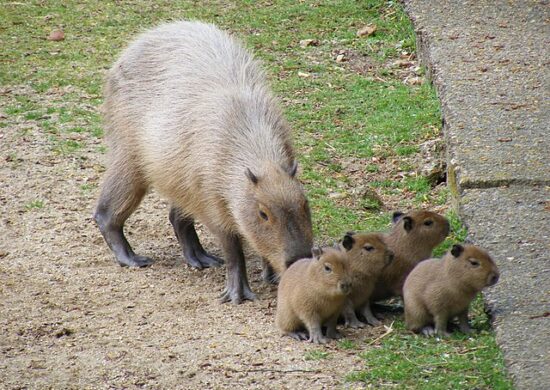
column 437, row 290
column 188, row 112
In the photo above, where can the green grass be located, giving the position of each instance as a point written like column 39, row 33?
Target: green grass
column 409, row 361
column 359, row 110
column 34, row 205
column 316, row 354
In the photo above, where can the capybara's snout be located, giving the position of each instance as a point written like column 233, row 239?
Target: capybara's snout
column 345, row 287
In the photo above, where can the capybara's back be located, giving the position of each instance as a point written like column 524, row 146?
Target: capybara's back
column 188, row 112
column 172, row 104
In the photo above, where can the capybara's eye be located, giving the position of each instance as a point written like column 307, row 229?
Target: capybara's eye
column 475, row 263
column 368, row 248
column 263, row 215
column 328, row 270
column 429, row 222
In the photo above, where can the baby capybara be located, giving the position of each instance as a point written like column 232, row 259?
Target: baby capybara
column 311, row 294
column 437, row 290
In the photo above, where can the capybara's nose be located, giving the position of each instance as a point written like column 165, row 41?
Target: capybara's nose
column 493, row 280
column 345, row 287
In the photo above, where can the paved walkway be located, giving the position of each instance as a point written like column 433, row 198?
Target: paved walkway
column 489, row 61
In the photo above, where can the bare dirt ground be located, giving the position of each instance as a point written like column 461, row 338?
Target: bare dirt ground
column 70, row 317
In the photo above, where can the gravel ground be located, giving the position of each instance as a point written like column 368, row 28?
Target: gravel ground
column 70, row 317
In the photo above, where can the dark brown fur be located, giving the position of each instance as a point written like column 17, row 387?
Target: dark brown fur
column 311, row 294
column 438, row 290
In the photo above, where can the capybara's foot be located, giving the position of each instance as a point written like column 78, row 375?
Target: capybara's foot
column 317, row 338
column 135, row 261
column 353, row 323
column 201, row 259
column 334, row 334
column 237, row 296
column 431, row 331
column 300, row 336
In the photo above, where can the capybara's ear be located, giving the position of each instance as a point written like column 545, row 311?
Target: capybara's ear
column 397, row 216
column 317, row 251
column 457, row 250
column 252, row 177
column 408, row 223
column 348, row 240
column 293, row 168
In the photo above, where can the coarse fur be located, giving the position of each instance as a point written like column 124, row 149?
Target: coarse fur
column 437, row 290
column 188, row 112
column 368, row 255
column 412, row 238
column 312, row 293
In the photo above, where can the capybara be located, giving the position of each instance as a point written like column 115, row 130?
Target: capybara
column 311, row 294
column 412, row 238
column 437, row 290
column 188, row 112
column 368, row 255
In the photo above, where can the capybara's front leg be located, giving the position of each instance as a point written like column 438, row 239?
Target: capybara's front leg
column 369, row 316
column 463, row 324
column 236, row 286
column 350, row 318
column 332, row 332
column 194, row 253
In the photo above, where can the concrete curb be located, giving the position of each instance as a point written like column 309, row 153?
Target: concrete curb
column 489, row 63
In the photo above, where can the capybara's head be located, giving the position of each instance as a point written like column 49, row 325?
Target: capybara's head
column 474, row 267
column 424, row 227
column 331, row 270
column 367, row 252
column 274, row 217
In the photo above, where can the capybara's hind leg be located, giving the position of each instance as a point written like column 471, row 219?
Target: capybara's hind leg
column 120, row 195
column 236, row 286
column 193, row 251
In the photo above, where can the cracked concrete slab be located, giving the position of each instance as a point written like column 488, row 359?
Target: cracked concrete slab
column 489, row 62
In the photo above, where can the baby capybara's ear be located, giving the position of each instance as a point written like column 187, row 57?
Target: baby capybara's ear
column 317, row 251
column 408, row 223
column 348, row 240
column 397, row 216
column 457, row 250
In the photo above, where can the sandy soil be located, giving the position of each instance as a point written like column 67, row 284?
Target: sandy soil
column 70, row 317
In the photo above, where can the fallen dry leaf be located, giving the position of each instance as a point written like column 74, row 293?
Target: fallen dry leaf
column 56, row 35
column 505, row 140
column 340, row 58
column 367, row 30
column 309, row 42
column 303, row 74
column 403, row 63
column 414, row 80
